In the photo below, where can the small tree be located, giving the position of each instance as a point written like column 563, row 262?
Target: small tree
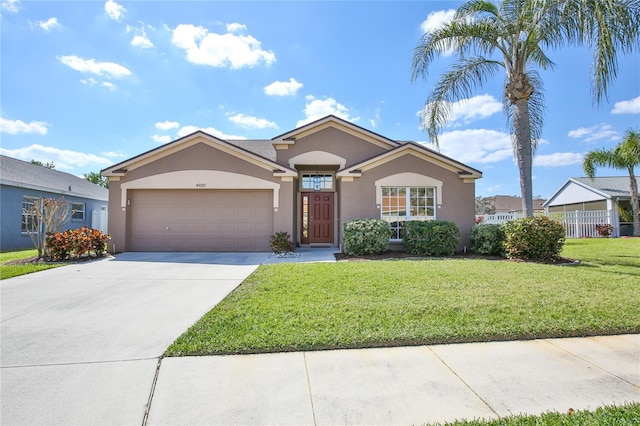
column 46, row 216
column 485, row 205
column 97, row 178
column 625, row 156
column 48, row 165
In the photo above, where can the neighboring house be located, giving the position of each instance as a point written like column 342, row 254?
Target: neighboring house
column 201, row 193
column 597, row 194
column 21, row 183
column 510, row 204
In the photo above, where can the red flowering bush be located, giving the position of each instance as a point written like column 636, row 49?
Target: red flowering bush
column 76, row 243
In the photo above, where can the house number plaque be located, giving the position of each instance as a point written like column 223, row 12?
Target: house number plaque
column 201, row 185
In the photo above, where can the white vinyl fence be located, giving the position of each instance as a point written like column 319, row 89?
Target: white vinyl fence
column 577, row 224
column 100, row 219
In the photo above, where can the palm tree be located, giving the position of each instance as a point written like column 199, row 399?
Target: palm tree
column 513, row 36
column 626, row 155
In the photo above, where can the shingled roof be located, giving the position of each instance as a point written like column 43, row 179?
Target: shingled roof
column 613, row 186
column 18, row 173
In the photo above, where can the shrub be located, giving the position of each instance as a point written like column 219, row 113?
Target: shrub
column 430, row 237
column 604, row 230
column 487, row 239
column 366, row 236
column 76, row 242
column 280, row 243
column 533, row 238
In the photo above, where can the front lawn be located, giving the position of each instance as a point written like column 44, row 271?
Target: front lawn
column 9, row 270
column 628, row 414
column 286, row 307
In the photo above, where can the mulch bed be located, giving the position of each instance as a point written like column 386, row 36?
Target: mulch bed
column 402, row 255
column 35, row 260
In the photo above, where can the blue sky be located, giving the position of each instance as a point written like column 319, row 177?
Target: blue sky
column 87, row 84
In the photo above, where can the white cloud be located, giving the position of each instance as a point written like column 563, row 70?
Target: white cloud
column 167, row 125
column 109, row 85
column 318, row 108
column 63, row 159
column 14, row 127
column 114, row 154
column 235, row 27
column 140, row 38
column 107, row 69
column 471, row 109
column 49, row 24
column 142, row 41
column 220, row 50
column 595, row 133
column 114, row 10
column 476, row 145
column 283, row 88
column 187, row 130
column 161, row 138
column 250, row 122
column 11, row 6
column 437, row 19
column 558, row 159
column 632, row 106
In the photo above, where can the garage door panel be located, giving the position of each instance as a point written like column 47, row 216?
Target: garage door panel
column 200, row 220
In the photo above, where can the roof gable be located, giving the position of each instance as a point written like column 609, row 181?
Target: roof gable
column 418, row 150
column 290, row 137
column 584, row 189
column 18, row 173
column 199, row 136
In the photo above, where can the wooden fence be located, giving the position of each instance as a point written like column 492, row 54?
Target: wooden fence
column 577, row 224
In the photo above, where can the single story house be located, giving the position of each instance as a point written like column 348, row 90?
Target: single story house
column 202, row 193
column 21, row 183
column 584, row 194
column 511, row 204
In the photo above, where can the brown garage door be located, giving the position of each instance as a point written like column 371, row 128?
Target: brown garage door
column 200, row 220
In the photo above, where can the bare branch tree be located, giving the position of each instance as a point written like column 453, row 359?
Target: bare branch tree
column 46, row 215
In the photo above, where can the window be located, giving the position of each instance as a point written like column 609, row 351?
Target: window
column 78, row 211
column 28, row 217
column 317, row 181
column 401, row 204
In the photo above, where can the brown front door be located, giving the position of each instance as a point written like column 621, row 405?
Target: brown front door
column 317, row 218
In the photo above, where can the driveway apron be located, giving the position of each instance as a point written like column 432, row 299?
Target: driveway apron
column 80, row 344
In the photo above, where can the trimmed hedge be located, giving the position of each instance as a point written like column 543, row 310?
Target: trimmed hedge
column 366, row 236
column 430, row 237
column 487, row 239
column 533, row 238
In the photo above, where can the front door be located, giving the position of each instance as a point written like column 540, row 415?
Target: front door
column 316, row 218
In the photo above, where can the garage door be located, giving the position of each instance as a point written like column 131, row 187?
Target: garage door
column 200, row 220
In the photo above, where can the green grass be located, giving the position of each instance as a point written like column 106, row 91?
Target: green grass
column 9, row 271
column 628, row 414
column 286, row 307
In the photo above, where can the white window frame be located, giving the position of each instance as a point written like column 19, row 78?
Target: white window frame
column 411, row 203
column 326, row 181
column 27, row 200
column 74, row 211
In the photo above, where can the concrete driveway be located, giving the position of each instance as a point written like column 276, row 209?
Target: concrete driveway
column 80, row 343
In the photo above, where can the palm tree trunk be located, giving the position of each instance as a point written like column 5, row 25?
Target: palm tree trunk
column 524, row 153
column 633, row 185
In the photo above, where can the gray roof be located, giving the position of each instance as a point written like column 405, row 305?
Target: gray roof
column 22, row 174
column 262, row 147
column 613, row 186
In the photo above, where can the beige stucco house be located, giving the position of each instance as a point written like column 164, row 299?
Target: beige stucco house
column 201, row 193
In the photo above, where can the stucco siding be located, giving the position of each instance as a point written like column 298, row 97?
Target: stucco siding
column 457, row 204
column 334, row 141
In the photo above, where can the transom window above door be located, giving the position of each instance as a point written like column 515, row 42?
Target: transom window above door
column 316, row 181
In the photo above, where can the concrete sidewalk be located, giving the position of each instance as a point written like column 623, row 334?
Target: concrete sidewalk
column 405, row 385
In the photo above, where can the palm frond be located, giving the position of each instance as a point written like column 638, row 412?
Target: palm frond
column 458, row 83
